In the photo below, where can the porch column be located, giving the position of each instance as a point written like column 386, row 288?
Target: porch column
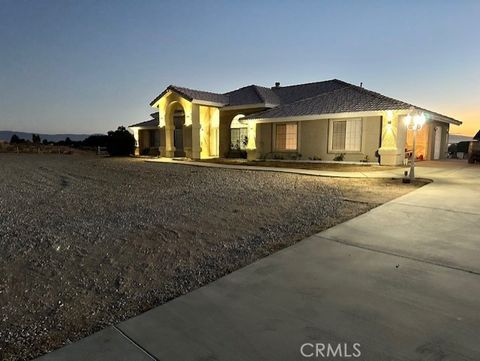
column 196, row 132
column 169, row 147
column 392, row 149
column 252, row 130
column 214, row 132
column 137, row 141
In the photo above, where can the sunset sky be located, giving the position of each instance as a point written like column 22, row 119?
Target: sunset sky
column 88, row 66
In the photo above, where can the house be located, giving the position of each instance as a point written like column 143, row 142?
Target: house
column 307, row 121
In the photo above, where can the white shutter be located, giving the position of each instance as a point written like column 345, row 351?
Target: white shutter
column 353, row 135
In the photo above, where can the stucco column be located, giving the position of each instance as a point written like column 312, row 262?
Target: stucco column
column 252, row 130
column 196, row 132
column 137, row 141
column 169, row 147
column 162, row 129
column 214, row 132
column 392, row 150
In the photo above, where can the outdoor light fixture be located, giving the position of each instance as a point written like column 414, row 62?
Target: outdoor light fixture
column 414, row 124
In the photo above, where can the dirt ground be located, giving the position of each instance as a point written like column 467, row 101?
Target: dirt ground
column 86, row 242
column 337, row 167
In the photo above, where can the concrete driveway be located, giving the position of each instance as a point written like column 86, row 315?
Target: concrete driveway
column 402, row 281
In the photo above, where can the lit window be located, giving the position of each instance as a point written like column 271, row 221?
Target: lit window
column 238, row 133
column 347, row 135
column 286, row 136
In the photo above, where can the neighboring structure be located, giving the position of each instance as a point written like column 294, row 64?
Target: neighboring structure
column 308, row 121
column 147, row 136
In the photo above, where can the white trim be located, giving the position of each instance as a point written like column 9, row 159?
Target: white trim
column 326, row 116
column 145, row 128
column 207, row 103
column 300, row 118
column 247, row 106
column 441, row 119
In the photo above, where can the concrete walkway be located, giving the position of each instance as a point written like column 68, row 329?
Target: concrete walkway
column 402, row 280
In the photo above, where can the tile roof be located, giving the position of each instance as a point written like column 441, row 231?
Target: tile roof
column 245, row 95
column 341, row 98
column 192, row 94
column 293, row 93
column 252, row 94
column 325, row 97
column 147, row 123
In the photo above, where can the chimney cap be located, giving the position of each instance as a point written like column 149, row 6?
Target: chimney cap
column 277, row 84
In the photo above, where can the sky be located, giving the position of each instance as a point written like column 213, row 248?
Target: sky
column 87, row 66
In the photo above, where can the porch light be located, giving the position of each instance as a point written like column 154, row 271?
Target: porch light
column 414, row 124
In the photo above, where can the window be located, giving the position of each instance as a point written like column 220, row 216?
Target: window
column 238, row 133
column 346, row 135
column 238, row 137
column 286, row 136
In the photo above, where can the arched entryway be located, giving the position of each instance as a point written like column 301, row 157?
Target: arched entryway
column 238, row 133
column 178, row 115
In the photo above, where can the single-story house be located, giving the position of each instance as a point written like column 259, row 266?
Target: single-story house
column 322, row 120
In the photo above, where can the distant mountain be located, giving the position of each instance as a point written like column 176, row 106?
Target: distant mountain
column 454, row 138
column 7, row 134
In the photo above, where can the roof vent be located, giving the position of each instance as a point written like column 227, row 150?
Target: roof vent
column 277, row 84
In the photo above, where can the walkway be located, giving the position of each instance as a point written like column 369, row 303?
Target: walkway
column 402, row 280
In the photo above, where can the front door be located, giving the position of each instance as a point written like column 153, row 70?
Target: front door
column 438, row 143
column 178, row 121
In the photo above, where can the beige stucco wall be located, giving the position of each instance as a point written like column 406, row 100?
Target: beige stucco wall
column 313, row 140
column 209, row 122
column 444, row 139
column 264, row 139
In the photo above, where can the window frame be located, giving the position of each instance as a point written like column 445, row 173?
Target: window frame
column 286, row 124
column 330, row 136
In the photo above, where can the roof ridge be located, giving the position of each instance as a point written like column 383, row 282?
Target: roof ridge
column 312, row 97
column 247, row 86
column 310, row 83
column 255, row 88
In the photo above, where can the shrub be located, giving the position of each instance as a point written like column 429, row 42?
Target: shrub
column 96, row 140
column 339, row 157
column 237, row 153
column 120, row 142
column 15, row 139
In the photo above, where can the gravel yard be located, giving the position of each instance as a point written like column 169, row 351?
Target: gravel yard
column 86, row 242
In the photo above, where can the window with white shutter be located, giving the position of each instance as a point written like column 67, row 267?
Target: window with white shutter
column 346, row 135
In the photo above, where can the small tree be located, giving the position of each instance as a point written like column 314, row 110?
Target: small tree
column 36, row 139
column 45, row 142
column 96, row 140
column 120, row 142
column 14, row 139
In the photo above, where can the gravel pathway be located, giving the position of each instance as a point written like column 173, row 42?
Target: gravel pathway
column 86, row 242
